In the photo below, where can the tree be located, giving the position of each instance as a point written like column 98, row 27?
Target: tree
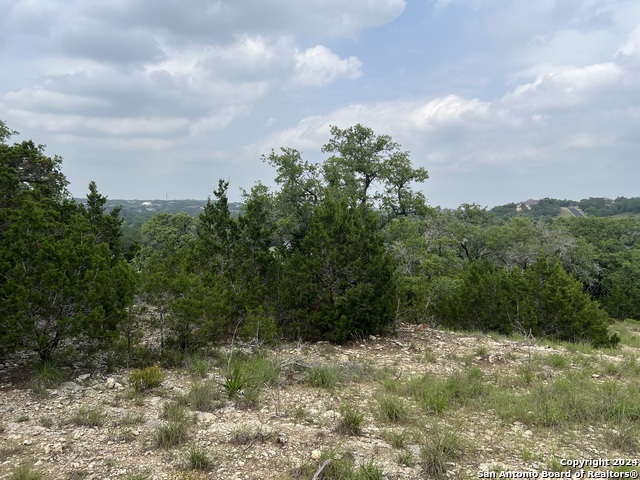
column 341, row 282
column 372, row 169
column 58, row 281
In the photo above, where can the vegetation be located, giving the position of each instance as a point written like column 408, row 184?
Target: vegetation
column 338, row 251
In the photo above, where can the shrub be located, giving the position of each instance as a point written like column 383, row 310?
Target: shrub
column 88, row 417
column 351, row 420
column 146, row 378
column 171, row 434
column 198, row 459
column 440, row 448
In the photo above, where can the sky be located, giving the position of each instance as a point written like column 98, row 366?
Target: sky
column 500, row 100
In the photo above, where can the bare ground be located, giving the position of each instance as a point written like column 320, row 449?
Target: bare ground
column 288, row 433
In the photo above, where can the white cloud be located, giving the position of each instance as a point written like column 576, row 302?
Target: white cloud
column 320, row 66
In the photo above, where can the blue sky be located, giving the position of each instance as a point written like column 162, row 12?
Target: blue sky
column 500, row 100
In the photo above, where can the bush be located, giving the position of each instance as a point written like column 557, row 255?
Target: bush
column 340, row 282
column 146, row 378
column 543, row 300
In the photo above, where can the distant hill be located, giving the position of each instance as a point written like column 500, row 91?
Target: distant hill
column 136, row 212
column 551, row 208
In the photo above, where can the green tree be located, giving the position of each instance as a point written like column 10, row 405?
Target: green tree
column 58, row 282
column 341, row 282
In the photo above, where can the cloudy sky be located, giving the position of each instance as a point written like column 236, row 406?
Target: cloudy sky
column 500, row 100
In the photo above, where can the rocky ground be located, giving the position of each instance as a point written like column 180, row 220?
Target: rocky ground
column 294, row 426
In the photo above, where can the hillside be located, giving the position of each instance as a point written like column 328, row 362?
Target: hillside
column 426, row 403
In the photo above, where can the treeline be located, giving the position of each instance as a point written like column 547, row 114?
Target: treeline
column 550, row 208
column 338, row 250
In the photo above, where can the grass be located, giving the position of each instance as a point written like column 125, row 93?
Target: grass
column 324, row 376
column 198, row 459
column 47, row 375
column 248, row 434
column 144, row 474
column 25, row 471
column 392, row 409
column 205, row 397
column 144, row 379
column 438, row 450
column 88, row 417
column 436, row 394
column 351, row 420
column 570, row 400
column 171, row 434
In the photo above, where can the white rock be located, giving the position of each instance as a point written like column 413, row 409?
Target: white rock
column 316, row 454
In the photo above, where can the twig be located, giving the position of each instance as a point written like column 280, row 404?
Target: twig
column 316, row 476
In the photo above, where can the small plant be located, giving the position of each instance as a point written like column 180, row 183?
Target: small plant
column 392, row 409
column 481, row 351
column 299, row 413
column 174, row 412
column 143, row 379
column 557, row 361
column 22, row 418
column 48, row 375
column 46, row 421
column 406, row 458
column 369, row 471
column 351, row 421
column 141, row 475
column 88, row 417
column 430, row 356
column 171, row 434
column 196, row 366
column 24, row 471
column 198, row 459
column 625, row 438
column 439, row 449
column 205, row 397
column 132, row 419
column 397, row 439
column 324, row 376
column 234, row 381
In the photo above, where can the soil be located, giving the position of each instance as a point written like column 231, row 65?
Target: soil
column 288, row 434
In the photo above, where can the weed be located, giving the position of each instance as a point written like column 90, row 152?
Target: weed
column 397, row 439
column 625, row 438
column 174, row 412
column 198, row 459
column 146, row 378
column 351, row 421
column 141, row 475
column 392, row 409
column 171, row 434
column 406, row 458
column 557, row 360
column 196, row 366
column 324, row 376
column 205, row 397
column 299, row 414
column 47, row 375
column 369, row 471
column 46, row 421
column 132, row 419
column 25, row 471
column 88, row 417
column 430, row 356
column 440, row 448
column 22, row 418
